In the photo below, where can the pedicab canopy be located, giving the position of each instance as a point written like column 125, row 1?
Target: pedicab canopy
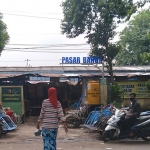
column 12, row 96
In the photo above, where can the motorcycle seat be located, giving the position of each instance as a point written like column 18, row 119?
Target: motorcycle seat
column 142, row 119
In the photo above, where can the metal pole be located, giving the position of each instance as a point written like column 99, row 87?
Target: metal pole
column 27, row 62
column 102, row 86
column 103, row 70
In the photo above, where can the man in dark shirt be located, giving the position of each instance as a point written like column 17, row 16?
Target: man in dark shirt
column 135, row 109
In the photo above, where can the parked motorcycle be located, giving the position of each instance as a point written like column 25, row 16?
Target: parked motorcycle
column 114, row 129
column 1, row 130
column 6, row 124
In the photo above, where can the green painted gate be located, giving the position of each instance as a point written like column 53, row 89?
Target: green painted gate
column 12, row 96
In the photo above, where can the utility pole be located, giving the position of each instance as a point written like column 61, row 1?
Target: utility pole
column 27, row 62
column 103, row 70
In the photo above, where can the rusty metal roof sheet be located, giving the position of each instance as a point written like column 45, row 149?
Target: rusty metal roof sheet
column 9, row 75
column 61, row 68
column 131, row 68
column 17, row 75
column 73, row 71
column 74, row 68
column 52, row 75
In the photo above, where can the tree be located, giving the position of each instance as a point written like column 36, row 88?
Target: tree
column 146, row 55
column 97, row 19
column 135, row 41
column 116, row 92
column 4, row 37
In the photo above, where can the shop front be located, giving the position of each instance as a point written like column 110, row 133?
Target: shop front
column 135, row 85
column 35, row 92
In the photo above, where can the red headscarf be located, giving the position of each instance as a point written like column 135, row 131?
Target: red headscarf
column 52, row 96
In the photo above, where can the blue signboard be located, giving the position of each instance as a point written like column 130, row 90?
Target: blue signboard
column 84, row 60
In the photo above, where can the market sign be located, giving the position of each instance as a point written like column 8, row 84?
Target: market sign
column 82, row 60
column 137, row 87
column 11, row 94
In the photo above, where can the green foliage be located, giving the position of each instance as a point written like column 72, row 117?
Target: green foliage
column 116, row 92
column 97, row 19
column 148, row 85
column 108, row 56
column 4, row 37
column 94, row 16
column 135, row 41
column 145, row 57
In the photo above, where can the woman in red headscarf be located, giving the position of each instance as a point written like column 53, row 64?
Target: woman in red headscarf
column 50, row 112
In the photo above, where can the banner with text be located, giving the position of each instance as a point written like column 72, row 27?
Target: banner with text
column 138, row 87
column 11, row 94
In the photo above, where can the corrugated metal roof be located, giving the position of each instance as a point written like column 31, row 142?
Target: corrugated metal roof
column 8, row 75
column 128, row 74
column 52, row 75
column 61, row 68
column 16, row 75
column 36, row 82
column 131, row 68
column 48, row 82
column 30, row 68
column 74, row 68
column 73, row 71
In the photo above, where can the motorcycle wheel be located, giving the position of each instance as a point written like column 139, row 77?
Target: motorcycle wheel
column 145, row 138
column 1, row 130
column 78, row 122
column 107, row 135
column 71, row 122
column 101, row 133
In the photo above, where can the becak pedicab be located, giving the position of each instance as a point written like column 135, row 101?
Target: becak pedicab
column 6, row 123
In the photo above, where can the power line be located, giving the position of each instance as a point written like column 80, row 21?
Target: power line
column 50, row 44
column 54, row 47
column 34, row 34
column 31, row 60
column 6, row 48
column 11, row 61
column 47, row 51
column 31, row 12
column 32, row 16
column 45, row 46
column 46, row 60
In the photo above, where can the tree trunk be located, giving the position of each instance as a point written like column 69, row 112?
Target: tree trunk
column 110, row 71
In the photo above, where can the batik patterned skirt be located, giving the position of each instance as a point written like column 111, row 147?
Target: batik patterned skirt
column 49, row 138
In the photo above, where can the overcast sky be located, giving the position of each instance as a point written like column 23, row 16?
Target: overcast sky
column 37, row 22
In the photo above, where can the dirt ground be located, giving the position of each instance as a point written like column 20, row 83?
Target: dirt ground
column 77, row 139
column 23, row 138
